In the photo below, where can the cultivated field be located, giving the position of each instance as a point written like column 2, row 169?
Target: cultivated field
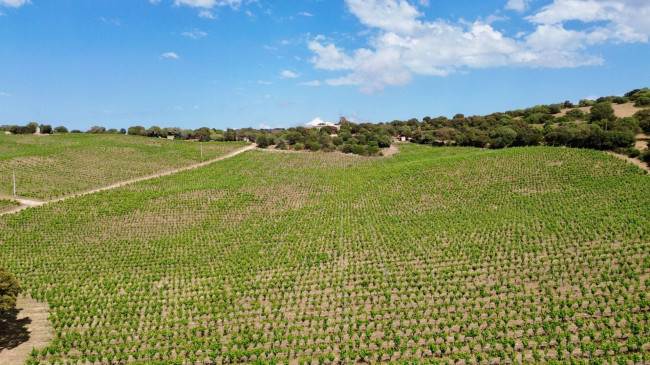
column 432, row 255
column 7, row 204
column 57, row 165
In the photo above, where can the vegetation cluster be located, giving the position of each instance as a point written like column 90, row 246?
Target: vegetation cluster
column 63, row 164
column 436, row 255
column 598, row 128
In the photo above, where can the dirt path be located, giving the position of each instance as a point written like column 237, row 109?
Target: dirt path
column 631, row 160
column 30, row 329
column 26, row 203
column 393, row 149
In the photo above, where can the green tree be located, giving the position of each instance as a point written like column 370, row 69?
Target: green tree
column 61, row 129
column 30, row 128
column 502, row 137
column 46, row 129
column 203, row 134
column 602, row 111
column 643, row 116
column 262, row 140
column 230, row 135
column 138, row 130
column 576, row 113
column 9, row 290
column 96, row 130
column 642, row 101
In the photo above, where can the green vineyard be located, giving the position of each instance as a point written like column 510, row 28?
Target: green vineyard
column 57, row 165
column 434, row 255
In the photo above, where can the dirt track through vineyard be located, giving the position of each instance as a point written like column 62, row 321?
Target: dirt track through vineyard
column 26, row 203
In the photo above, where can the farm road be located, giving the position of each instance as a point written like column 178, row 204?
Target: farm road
column 26, row 203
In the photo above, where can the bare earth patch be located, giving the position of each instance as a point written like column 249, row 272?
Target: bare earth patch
column 29, row 329
column 642, row 142
column 631, row 160
column 393, row 149
column 620, row 110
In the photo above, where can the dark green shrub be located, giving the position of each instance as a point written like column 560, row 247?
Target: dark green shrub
column 9, row 290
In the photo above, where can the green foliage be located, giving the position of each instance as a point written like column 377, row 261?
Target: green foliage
column 9, row 290
column 263, row 141
column 45, row 129
column 586, row 102
column 576, row 113
column 502, row 137
column 589, row 136
column 645, row 157
column 137, row 131
column 63, row 164
column 7, row 204
column 281, row 145
column 643, row 116
column 433, row 255
column 642, row 101
column 602, row 111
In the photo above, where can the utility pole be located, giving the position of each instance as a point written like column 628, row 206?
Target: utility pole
column 201, row 143
column 14, row 184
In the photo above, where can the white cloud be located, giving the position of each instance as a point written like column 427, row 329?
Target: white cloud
column 208, row 4
column 4, row 94
column 195, row 34
column 14, row 3
column 154, row 1
column 207, row 14
column 625, row 20
column 316, row 121
column 310, row 83
column 389, row 15
column 304, row 13
column 289, row 74
column 115, row 22
column 262, row 82
column 518, row 5
column 170, row 55
column 400, row 44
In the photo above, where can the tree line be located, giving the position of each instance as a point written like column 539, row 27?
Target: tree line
column 598, row 128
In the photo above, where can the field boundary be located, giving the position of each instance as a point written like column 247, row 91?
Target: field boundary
column 631, row 160
column 27, row 203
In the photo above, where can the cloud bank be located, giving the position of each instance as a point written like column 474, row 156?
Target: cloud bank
column 400, row 44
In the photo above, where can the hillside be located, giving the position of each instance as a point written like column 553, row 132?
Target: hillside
column 51, row 166
column 432, row 255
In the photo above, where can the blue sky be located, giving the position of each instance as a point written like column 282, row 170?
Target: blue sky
column 263, row 63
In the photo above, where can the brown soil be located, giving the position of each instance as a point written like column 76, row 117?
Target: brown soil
column 24, row 329
column 642, row 142
column 620, row 110
column 393, row 149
